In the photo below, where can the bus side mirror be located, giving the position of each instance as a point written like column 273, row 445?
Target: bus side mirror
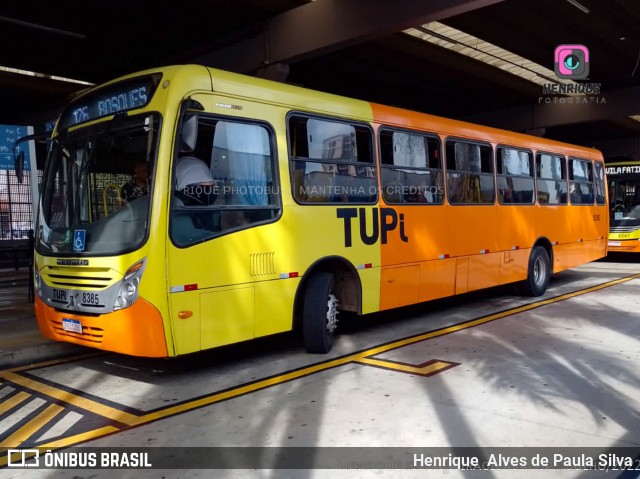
column 19, row 155
column 18, row 164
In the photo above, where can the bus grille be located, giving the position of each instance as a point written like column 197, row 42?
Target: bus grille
column 623, row 229
column 89, row 334
column 88, row 278
column 262, row 263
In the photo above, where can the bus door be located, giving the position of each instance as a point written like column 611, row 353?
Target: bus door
column 221, row 232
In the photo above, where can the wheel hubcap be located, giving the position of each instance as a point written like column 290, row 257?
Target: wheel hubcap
column 539, row 272
column 332, row 313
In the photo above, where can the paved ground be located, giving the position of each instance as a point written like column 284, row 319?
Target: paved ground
column 485, row 370
column 20, row 339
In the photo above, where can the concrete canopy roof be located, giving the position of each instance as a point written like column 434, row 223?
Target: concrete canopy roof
column 356, row 48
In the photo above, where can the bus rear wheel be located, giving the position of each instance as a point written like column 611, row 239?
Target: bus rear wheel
column 539, row 272
column 319, row 314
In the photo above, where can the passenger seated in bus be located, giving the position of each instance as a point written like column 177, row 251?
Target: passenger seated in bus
column 194, row 184
column 193, row 187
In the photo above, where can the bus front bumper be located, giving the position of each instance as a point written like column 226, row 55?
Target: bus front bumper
column 624, row 246
column 137, row 330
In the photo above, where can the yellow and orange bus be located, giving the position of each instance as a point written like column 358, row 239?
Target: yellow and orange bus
column 270, row 207
column 624, row 197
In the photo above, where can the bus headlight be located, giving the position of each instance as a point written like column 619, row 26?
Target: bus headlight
column 128, row 291
column 37, row 281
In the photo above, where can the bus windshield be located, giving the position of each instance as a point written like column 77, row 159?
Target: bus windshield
column 96, row 190
column 624, row 196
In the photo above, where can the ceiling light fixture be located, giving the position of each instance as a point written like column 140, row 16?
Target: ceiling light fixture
column 17, row 71
column 579, row 6
column 463, row 43
column 437, row 35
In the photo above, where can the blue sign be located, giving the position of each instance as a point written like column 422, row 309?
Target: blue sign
column 78, row 240
column 8, row 135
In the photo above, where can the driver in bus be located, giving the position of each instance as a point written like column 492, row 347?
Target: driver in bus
column 139, row 184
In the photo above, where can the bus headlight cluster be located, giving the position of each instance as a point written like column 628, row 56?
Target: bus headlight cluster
column 37, row 281
column 128, row 290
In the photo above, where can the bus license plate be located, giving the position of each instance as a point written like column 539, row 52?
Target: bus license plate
column 615, row 243
column 72, row 325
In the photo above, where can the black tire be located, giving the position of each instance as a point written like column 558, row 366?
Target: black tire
column 319, row 314
column 538, row 274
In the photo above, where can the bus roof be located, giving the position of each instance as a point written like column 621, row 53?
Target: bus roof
column 305, row 99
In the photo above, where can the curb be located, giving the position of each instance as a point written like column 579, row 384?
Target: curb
column 34, row 354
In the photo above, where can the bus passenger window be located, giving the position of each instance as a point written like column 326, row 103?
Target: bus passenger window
column 234, row 187
column 331, row 161
column 515, row 176
column 411, row 169
column 469, row 173
column 552, row 179
column 581, row 182
column 601, row 199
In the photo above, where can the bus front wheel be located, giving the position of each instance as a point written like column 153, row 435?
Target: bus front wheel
column 320, row 314
column 539, row 272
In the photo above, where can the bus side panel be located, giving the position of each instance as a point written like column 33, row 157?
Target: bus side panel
column 581, row 223
column 400, row 286
column 420, row 235
column 227, row 316
column 515, row 237
column 517, row 227
column 598, row 223
column 462, row 275
column 274, row 303
column 437, row 279
column 473, row 235
column 572, row 255
column 514, row 265
column 186, row 330
column 473, row 229
column 553, row 223
column 370, row 281
column 484, row 271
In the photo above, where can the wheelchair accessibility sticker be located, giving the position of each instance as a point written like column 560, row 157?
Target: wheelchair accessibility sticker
column 78, row 240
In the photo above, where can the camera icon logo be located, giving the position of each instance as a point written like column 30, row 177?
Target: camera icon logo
column 571, row 62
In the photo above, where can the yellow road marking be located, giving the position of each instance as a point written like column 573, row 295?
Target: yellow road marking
column 26, row 431
column 426, row 370
column 85, row 436
column 13, row 401
column 73, row 399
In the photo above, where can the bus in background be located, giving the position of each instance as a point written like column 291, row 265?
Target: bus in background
column 624, row 197
column 270, row 207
